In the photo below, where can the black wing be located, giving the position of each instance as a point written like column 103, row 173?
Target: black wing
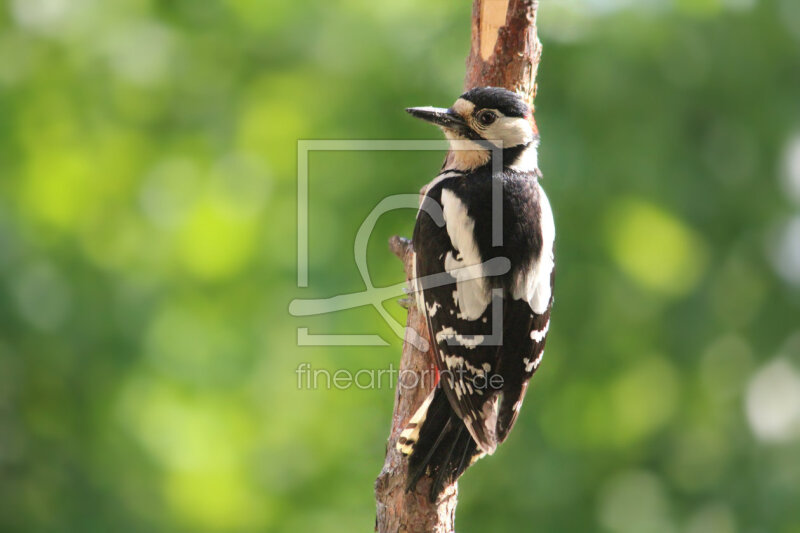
column 485, row 359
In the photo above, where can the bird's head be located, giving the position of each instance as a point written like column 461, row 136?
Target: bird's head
column 483, row 118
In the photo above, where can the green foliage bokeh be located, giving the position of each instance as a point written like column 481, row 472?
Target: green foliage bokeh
column 148, row 256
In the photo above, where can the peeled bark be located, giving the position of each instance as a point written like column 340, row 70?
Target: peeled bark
column 505, row 52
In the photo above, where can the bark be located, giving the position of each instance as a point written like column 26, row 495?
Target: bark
column 504, row 52
column 505, row 49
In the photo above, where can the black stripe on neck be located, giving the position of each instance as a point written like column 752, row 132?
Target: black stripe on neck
column 512, row 155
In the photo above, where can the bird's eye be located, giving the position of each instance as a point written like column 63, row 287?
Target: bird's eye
column 486, row 117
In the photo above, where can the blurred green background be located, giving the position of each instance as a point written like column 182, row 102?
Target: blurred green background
column 148, row 242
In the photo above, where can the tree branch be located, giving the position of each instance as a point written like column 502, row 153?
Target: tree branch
column 505, row 52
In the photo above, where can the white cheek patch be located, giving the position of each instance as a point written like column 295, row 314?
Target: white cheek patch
column 534, row 285
column 471, row 295
column 513, row 131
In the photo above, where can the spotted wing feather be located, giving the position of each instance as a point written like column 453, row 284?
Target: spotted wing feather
column 483, row 376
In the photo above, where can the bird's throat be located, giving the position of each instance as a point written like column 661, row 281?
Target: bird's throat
column 520, row 158
column 466, row 160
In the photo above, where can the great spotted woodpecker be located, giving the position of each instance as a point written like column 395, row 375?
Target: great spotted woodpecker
column 483, row 280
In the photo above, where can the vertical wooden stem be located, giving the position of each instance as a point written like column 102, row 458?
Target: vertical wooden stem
column 505, row 52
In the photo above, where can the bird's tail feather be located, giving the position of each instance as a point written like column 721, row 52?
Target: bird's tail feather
column 437, row 443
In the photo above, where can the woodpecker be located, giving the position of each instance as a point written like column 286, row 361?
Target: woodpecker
column 483, row 280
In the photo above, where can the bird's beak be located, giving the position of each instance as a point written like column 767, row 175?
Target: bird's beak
column 445, row 118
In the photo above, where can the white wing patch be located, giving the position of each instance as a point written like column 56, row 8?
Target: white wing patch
column 530, row 366
column 471, row 295
column 538, row 335
column 454, row 361
column 534, row 285
column 467, row 341
column 433, row 308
